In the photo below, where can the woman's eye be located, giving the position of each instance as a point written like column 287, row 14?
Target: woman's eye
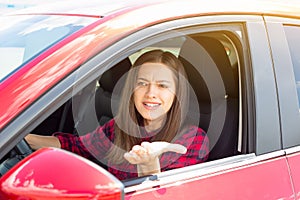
column 140, row 83
column 163, row 86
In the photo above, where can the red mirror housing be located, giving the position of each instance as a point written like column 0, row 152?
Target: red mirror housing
column 57, row 174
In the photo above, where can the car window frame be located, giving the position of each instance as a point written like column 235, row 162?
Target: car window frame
column 267, row 138
column 283, row 67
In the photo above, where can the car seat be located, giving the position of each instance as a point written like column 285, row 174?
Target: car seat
column 92, row 106
column 105, row 99
column 214, row 82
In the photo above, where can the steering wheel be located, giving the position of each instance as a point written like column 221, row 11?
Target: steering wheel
column 18, row 153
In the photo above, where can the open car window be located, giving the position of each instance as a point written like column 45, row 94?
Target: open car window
column 211, row 65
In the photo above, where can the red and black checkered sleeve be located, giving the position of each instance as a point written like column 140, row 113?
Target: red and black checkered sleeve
column 91, row 145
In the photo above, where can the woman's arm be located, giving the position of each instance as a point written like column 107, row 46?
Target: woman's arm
column 38, row 141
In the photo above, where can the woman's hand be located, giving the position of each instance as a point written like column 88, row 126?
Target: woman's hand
column 146, row 155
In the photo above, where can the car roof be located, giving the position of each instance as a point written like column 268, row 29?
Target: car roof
column 103, row 8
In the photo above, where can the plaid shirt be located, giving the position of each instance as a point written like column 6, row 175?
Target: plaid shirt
column 96, row 144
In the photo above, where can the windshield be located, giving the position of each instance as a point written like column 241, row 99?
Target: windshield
column 23, row 37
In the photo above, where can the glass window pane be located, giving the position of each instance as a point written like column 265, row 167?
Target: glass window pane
column 293, row 38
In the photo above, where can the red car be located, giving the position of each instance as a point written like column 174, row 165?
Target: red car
column 60, row 64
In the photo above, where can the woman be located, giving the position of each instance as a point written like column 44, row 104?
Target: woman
column 150, row 132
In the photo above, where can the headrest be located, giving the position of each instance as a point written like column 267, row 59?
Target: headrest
column 109, row 78
column 205, row 60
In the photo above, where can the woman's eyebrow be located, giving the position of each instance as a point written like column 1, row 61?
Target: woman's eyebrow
column 163, row 81
column 143, row 79
column 157, row 81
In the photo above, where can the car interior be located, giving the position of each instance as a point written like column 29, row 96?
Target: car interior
column 222, row 143
column 207, row 59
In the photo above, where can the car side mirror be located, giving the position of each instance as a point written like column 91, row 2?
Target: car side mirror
column 52, row 173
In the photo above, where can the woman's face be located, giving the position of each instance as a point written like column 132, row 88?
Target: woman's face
column 154, row 92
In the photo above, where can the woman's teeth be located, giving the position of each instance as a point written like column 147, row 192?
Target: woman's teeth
column 151, row 104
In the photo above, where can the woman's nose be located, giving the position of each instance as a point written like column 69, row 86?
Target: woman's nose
column 151, row 90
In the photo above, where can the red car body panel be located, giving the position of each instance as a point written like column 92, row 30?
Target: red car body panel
column 294, row 163
column 236, row 183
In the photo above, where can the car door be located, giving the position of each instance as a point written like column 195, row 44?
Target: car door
column 284, row 39
column 258, row 169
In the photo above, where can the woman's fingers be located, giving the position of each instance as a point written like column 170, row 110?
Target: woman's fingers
column 132, row 158
column 138, row 155
column 162, row 147
column 139, row 150
column 177, row 148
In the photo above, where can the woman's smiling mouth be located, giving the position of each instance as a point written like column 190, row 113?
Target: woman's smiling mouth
column 151, row 105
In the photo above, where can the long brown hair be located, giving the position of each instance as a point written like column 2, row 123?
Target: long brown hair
column 129, row 121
